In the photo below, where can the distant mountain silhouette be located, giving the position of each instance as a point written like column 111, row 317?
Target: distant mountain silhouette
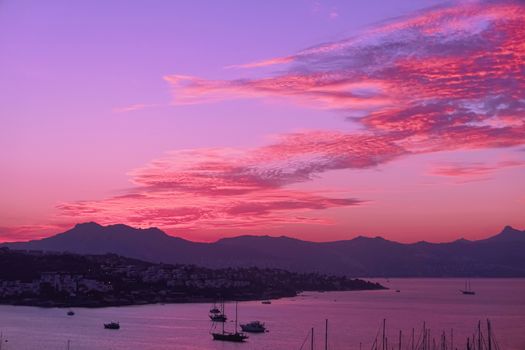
column 499, row 256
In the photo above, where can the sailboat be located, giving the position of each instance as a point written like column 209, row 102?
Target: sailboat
column 214, row 309
column 467, row 290
column 236, row 336
column 217, row 315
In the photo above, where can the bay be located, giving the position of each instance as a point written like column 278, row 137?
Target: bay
column 354, row 319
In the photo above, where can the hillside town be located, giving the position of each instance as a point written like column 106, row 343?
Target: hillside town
column 62, row 279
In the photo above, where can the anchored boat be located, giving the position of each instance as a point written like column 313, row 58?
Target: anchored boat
column 235, row 336
column 112, row 325
column 254, row 327
column 467, row 290
column 217, row 314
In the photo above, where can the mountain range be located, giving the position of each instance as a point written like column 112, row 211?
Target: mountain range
column 499, row 256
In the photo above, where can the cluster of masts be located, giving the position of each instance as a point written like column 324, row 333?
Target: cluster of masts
column 443, row 341
column 424, row 340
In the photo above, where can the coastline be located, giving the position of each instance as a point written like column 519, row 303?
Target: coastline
column 35, row 302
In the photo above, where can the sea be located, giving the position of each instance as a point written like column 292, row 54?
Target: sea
column 355, row 319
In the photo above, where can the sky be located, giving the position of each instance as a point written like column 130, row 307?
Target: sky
column 320, row 120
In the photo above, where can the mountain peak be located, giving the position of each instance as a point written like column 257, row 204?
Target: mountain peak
column 508, row 229
column 89, row 224
column 509, row 234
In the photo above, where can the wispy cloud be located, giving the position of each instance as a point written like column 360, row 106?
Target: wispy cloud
column 30, row 232
column 207, row 187
column 134, row 107
column 473, row 170
column 445, row 78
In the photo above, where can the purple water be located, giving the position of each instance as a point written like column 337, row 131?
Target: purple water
column 354, row 318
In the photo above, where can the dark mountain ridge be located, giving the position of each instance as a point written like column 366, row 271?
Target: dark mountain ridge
column 497, row 256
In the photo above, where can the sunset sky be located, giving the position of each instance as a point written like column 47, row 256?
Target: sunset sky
column 321, row 120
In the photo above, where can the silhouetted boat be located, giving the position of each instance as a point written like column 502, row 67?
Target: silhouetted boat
column 70, row 313
column 217, row 315
column 254, row 327
column 112, row 325
column 226, row 336
column 230, row 336
column 467, row 290
column 218, row 318
column 266, row 302
column 214, row 309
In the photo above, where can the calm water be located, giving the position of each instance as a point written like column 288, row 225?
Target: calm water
column 354, row 317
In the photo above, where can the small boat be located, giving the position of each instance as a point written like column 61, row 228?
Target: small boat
column 398, row 291
column 218, row 317
column 236, row 336
column 112, row 325
column 467, row 290
column 214, row 309
column 266, row 302
column 217, row 314
column 70, row 313
column 254, row 327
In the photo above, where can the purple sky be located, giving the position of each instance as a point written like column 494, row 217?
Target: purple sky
column 318, row 119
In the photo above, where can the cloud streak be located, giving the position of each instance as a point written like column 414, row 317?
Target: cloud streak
column 208, row 187
column 455, row 74
column 473, row 170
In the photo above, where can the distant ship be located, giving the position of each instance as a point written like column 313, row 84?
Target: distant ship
column 216, row 314
column 266, row 302
column 467, row 290
column 236, row 336
column 70, row 313
column 112, row 325
column 254, row 327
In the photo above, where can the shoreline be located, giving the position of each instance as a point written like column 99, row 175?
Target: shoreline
column 46, row 304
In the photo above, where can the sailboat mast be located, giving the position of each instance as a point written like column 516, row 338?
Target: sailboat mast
column 312, row 339
column 326, row 335
column 236, row 316
column 479, row 335
column 490, row 335
column 384, row 325
column 222, row 306
column 413, row 338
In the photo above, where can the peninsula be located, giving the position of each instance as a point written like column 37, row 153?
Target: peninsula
column 65, row 280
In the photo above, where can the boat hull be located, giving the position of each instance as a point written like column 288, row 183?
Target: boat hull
column 218, row 318
column 234, row 337
column 468, row 292
column 111, row 326
column 253, row 327
column 253, row 330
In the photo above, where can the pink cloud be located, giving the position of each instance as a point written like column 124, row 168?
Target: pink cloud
column 473, row 170
column 134, row 107
column 31, row 231
column 209, row 187
column 232, row 188
column 445, row 78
